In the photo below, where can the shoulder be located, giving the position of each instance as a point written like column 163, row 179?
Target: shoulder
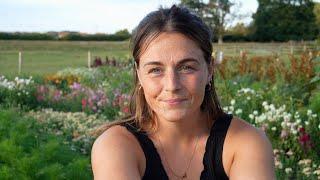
column 115, row 154
column 253, row 154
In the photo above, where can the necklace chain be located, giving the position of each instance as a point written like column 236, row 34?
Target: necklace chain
column 185, row 172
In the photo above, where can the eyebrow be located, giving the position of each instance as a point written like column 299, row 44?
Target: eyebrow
column 182, row 61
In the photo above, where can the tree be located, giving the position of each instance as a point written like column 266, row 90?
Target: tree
column 215, row 13
column 283, row 20
column 316, row 11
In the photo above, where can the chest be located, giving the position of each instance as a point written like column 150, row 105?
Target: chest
column 175, row 164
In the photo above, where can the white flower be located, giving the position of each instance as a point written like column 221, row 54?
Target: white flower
column 289, row 153
column 306, row 122
column 306, row 170
column 272, row 107
column 278, row 164
column 317, row 172
column 314, row 115
column 248, row 98
column 274, row 128
column 294, row 131
column 255, row 112
column 232, row 102
column 309, row 112
column 238, row 111
column 225, row 108
column 288, row 170
column 251, row 116
column 264, row 103
column 298, row 121
column 231, row 108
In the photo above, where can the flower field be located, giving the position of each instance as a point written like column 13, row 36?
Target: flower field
column 48, row 122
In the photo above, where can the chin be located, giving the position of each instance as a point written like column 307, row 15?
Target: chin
column 175, row 115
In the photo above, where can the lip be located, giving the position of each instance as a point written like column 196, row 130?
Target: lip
column 174, row 101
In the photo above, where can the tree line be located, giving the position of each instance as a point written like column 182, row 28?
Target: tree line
column 274, row 20
column 66, row 36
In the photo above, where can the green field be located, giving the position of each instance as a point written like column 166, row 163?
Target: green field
column 45, row 57
column 42, row 57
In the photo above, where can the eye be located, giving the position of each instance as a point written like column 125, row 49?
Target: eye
column 154, row 71
column 186, row 68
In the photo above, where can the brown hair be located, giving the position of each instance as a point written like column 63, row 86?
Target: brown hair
column 179, row 20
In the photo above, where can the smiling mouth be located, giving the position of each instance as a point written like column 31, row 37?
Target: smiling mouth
column 174, row 101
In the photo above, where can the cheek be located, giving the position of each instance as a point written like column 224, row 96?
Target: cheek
column 195, row 84
column 151, row 89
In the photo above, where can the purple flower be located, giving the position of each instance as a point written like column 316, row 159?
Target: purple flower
column 76, row 86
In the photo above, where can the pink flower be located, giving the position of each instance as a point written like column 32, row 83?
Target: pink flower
column 76, row 86
column 84, row 103
column 57, row 95
column 126, row 110
column 40, row 97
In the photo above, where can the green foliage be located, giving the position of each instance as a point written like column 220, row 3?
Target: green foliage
column 315, row 102
column 316, row 11
column 214, row 13
column 26, row 36
column 28, row 152
column 72, row 36
column 297, row 21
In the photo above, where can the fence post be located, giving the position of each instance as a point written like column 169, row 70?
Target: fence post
column 89, row 59
column 20, row 62
column 220, row 57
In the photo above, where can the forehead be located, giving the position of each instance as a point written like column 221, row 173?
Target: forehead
column 171, row 47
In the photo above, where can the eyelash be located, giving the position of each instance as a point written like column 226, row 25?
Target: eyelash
column 184, row 67
column 153, row 70
column 189, row 68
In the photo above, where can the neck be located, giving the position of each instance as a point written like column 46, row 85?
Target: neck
column 184, row 131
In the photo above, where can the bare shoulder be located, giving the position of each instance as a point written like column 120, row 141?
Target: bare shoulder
column 115, row 155
column 253, row 154
column 240, row 128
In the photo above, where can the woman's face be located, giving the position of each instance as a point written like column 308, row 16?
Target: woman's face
column 173, row 75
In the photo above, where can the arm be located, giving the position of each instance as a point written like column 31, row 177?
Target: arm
column 113, row 156
column 254, row 157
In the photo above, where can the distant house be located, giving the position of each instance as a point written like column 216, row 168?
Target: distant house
column 63, row 34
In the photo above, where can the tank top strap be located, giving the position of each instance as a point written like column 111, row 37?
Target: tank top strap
column 154, row 168
column 212, row 161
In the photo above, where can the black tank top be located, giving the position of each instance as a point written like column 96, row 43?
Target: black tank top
column 212, row 160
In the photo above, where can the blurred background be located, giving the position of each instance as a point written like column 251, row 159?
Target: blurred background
column 66, row 69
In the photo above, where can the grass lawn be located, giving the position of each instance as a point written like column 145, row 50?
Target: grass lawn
column 45, row 57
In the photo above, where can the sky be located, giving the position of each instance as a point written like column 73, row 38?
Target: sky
column 89, row 16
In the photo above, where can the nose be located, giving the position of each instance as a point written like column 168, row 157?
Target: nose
column 172, row 81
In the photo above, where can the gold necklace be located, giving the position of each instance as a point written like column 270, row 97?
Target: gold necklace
column 185, row 172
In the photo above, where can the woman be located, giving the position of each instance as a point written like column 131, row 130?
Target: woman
column 177, row 129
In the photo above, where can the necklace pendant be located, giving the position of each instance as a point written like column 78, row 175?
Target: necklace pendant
column 184, row 176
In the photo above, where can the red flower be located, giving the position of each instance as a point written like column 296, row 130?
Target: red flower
column 302, row 130
column 304, row 138
column 84, row 103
